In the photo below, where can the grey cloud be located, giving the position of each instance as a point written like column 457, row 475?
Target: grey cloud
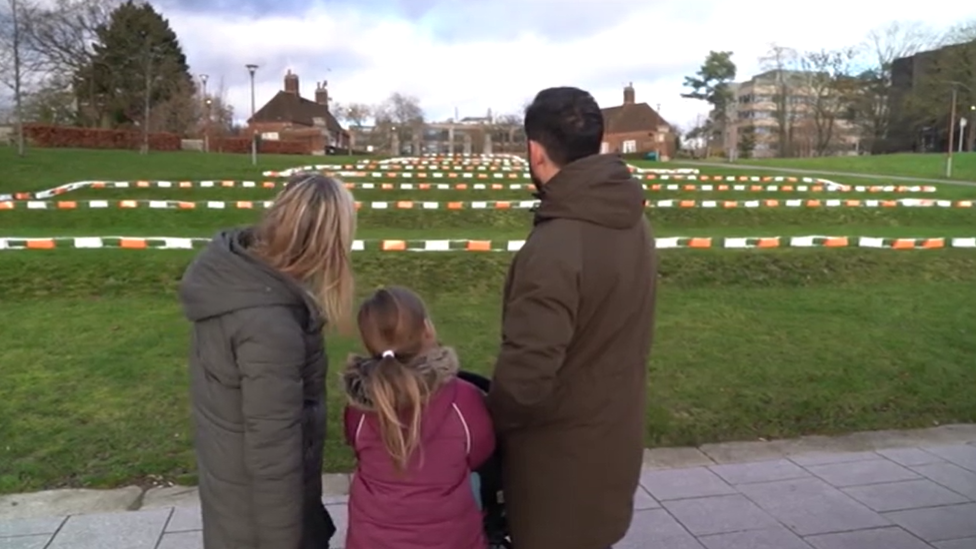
column 310, row 66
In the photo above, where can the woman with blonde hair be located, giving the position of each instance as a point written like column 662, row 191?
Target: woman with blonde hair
column 259, row 299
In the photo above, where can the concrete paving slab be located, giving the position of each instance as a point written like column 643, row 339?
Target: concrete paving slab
column 858, row 473
column 25, row 542
column 695, row 482
column 340, row 515
column 899, row 496
column 173, row 496
column 131, row 530
column 68, row 502
column 656, row 528
column 938, row 523
column 909, row 456
column 951, row 476
column 962, row 455
column 185, row 519
column 719, row 515
column 670, row 458
column 30, row 527
column 184, row 540
column 680, row 542
column 773, row 538
column 879, row 538
column 967, row 543
column 643, row 500
column 811, row 506
column 759, row 471
column 811, row 459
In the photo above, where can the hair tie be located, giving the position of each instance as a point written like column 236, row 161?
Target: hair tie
column 389, row 354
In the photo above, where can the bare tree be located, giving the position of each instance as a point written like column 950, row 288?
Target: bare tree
column 63, row 33
column 826, row 75
column 356, row 114
column 51, row 101
column 18, row 61
column 401, row 118
column 871, row 97
column 784, row 61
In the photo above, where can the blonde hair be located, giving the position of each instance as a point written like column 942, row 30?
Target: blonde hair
column 394, row 320
column 308, row 234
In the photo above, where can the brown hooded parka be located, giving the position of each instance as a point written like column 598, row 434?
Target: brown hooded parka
column 568, row 396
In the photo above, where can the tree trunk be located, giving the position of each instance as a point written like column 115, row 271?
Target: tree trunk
column 17, row 40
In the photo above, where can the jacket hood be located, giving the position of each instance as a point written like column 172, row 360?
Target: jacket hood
column 598, row 189
column 436, row 368
column 225, row 278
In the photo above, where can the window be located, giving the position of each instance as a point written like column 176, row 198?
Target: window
column 629, row 146
column 660, row 138
column 604, row 147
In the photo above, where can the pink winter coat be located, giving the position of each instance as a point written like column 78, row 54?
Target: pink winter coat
column 432, row 504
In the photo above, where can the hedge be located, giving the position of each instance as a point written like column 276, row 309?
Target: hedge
column 41, row 135
column 242, row 145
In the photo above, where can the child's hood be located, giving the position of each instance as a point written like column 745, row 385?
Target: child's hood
column 438, row 369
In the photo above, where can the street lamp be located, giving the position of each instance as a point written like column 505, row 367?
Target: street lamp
column 206, row 107
column 952, row 124
column 254, row 140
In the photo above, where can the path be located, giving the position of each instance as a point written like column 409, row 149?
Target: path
column 904, row 178
column 880, row 490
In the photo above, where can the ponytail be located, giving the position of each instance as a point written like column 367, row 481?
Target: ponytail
column 398, row 396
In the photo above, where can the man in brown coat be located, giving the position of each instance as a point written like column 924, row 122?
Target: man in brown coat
column 568, row 395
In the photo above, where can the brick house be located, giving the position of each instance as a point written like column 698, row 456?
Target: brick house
column 290, row 117
column 636, row 128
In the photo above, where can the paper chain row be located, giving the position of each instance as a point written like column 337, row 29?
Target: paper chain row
column 174, row 243
column 409, row 169
column 804, row 186
column 35, row 205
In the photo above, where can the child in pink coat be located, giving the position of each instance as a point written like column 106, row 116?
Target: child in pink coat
column 418, row 432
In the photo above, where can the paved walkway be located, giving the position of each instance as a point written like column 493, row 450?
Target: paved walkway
column 884, row 490
column 905, row 178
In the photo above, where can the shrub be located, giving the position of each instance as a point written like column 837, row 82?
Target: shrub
column 47, row 136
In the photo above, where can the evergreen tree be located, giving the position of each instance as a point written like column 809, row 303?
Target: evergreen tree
column 137, row 58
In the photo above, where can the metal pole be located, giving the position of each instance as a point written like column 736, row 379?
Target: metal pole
column 206, row 112
column 146, row 113
column 952, row 130
column 254, row 136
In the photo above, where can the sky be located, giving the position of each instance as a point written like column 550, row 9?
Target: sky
column 469, row 56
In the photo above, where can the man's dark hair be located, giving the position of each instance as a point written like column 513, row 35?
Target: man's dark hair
column 567, row 122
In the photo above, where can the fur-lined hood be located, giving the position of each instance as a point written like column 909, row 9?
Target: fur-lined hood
column 435, row 368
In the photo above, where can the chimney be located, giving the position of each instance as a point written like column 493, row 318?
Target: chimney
column 629, row 94
column 291, row 83
column 321, row 93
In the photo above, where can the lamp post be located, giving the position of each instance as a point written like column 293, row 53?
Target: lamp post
column 251, row 68
column 206, row 113
column 952, row 124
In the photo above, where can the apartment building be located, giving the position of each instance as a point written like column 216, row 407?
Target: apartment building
column 754, row 115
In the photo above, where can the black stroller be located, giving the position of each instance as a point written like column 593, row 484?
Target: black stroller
column 492, row 500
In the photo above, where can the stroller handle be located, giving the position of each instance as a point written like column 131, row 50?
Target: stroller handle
column 478, row 380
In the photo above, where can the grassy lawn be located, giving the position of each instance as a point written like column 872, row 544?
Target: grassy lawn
column 767, row 344
column 506, row 224
column 45, row 168
column 93, row 390
column 929, row 166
